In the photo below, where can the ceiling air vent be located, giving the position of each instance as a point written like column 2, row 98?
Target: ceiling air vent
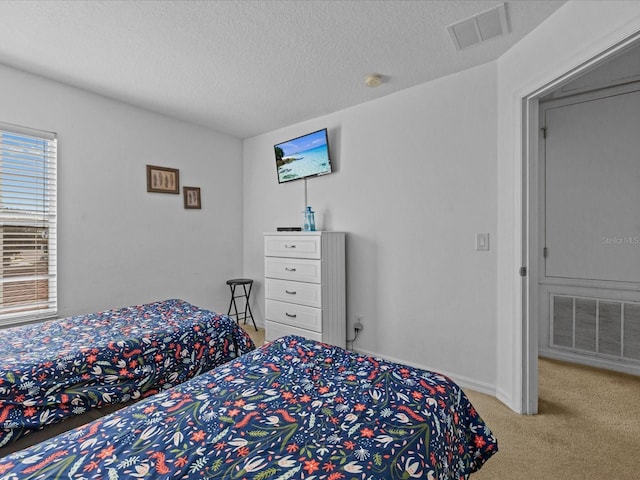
column 483, row 26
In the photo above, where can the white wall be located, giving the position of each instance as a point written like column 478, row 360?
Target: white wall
column 415, row 180
column 118, row 244
column 574, row 34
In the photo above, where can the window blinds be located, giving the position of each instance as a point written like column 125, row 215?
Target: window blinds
column 28, row 236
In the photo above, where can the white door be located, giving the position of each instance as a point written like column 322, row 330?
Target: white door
column 590, row 282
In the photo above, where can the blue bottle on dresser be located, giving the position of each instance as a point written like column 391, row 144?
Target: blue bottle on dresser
column 309, row 220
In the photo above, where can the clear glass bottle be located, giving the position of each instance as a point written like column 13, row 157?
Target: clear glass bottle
column 309, row 220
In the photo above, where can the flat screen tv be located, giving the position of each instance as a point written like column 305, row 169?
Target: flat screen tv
column 303, row 157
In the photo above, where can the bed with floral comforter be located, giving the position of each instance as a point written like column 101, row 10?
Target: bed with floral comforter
column 292, row 409
column 62, row 368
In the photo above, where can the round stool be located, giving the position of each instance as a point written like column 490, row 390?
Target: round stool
column 243, row 282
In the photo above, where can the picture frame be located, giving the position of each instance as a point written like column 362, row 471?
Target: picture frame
column 163, row 179
column 192, row 197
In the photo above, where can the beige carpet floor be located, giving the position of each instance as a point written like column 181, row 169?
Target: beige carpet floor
column 256, row 336
column 588, row 427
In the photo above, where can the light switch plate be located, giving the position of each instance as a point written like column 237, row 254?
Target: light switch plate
column 482, row 241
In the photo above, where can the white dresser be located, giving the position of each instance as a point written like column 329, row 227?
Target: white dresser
column 305, row 286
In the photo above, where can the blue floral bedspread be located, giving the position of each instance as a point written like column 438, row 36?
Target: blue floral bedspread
column 294, row 408
column 60, row 368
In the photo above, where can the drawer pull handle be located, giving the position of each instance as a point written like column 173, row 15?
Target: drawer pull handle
column 290, row 269
column 287, row 245
column 290, row 293
column 291, row 315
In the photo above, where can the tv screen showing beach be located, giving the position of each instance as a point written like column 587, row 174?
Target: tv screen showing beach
column 303, row 157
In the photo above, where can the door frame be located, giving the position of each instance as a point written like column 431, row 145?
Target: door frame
column 531, row 248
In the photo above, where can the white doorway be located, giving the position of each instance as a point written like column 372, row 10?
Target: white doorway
column 589, row 284
column 533, row 234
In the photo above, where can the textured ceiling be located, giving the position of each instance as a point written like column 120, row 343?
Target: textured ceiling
column 248, row 67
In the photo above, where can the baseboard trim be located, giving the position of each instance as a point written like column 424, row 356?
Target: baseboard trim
column 589, row 361
column 507, row 399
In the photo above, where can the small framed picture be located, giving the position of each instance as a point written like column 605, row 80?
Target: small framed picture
column 191, row 197
column 163, row 179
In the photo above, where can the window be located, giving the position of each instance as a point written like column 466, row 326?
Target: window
column 27, row 224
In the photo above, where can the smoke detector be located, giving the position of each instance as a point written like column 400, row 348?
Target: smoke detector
column 479, row 28
column 373, row 80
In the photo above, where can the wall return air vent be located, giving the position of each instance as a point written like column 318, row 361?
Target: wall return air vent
column 479, row 28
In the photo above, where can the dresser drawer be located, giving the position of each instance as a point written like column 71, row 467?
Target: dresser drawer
column 309, row 318
column 295, row 269
column 292, row 246
column 275, row 330
column 295, row 292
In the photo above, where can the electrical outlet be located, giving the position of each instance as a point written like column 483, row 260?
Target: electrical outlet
column 359, row 323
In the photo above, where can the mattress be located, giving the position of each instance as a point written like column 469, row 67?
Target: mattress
column 294, row 408
column 62, row 368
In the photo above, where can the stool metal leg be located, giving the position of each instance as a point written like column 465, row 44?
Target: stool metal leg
column 247, row 306
column 233, row 303
column 246, row 303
